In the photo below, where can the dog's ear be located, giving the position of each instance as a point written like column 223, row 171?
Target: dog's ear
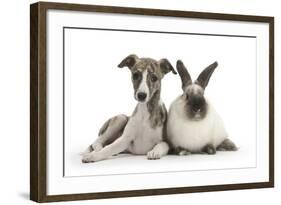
column 185, row 76
column 204, row 77
column 166, row 66
column 129, row 61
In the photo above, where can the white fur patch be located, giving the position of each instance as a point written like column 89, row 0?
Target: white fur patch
column 144, row 136
column 143, row 87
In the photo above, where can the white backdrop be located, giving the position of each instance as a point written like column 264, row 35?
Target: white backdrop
column 95, row 90
column 14, row 109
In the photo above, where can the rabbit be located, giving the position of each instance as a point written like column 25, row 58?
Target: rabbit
column 193, row 124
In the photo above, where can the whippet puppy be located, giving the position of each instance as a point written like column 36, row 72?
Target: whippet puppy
column 143, row 133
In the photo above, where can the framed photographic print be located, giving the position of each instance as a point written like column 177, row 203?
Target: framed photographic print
column 133, row 102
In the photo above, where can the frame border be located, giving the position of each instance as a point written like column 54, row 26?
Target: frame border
column 38, row 100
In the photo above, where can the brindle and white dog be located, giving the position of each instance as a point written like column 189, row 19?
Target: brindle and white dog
column 144, row 131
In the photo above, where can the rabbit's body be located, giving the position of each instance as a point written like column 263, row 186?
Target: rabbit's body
column 193, row 123
column 191, row 134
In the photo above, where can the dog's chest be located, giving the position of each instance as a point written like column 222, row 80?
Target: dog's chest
column 145, row 137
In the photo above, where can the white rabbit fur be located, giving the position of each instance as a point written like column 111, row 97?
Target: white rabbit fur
column 193, row 124
column 192, row 134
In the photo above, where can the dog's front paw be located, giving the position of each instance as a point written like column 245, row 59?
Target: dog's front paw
column 92, row 148
column 91, row 157
column 153, row 154
column 96, row 147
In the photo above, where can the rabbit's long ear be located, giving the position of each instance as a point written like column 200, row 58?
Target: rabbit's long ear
column 204, row 77
column 185, row 77
column 129, row 61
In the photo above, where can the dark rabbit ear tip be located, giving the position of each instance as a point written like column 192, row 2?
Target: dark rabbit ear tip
column 205, row 75
column 179, row 63
column 215, row 64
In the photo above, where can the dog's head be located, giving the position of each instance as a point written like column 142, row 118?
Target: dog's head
column 147, row 74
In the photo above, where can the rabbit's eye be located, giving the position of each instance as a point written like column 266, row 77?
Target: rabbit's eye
column 186, row 96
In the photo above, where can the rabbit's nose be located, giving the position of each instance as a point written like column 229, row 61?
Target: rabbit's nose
column 197, row 102
column 195, row 109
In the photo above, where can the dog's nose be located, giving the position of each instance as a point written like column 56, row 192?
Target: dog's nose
column 141, row 96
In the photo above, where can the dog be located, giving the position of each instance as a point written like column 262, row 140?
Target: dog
column 143, row 133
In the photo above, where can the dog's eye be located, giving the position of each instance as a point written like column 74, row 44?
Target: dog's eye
column 136, row 76
column 154, row 78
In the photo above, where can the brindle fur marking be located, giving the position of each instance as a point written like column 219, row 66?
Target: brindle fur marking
column 150, row 65
column 104, row 127
column 118, row 122
column 119, row 132
column 158, row 113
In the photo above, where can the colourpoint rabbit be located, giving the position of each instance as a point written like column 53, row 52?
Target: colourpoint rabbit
column 193, row 124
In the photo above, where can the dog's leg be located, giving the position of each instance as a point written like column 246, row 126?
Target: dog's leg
column 118, row 146
column 227, row 145
column 158, row 151
column 110, row 131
